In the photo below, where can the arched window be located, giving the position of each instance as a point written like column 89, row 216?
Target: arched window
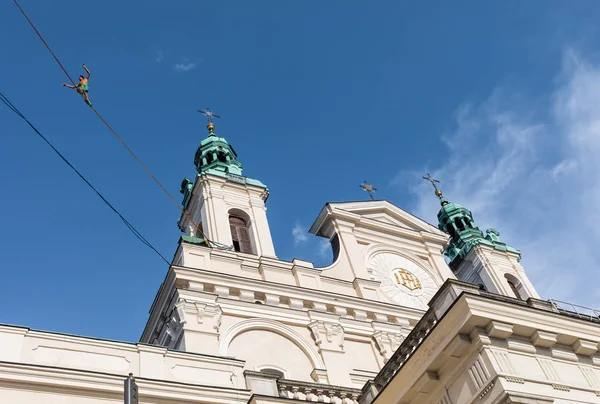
column 459, row 224
column 335, row 247
column 516, row 287
column 209, row 158
column 450, row 229
column 240, row 234
column 221, row 157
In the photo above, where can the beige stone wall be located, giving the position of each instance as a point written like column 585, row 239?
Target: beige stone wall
column 334, row 325
column 492, row 351
column 40, row 367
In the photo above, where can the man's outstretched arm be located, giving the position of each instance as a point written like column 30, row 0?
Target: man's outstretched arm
column 87, row 71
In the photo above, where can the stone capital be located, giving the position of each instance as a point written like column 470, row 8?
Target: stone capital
column 328, row 335
column 208, row 318
column 180, row 310
column 387, row 343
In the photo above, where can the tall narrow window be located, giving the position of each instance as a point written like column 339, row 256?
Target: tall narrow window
column 459, row 224
column 240, row 235
column 514, row 289
column 451, row 230
column 335, row 247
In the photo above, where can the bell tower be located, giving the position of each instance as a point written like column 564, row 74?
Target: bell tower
column 228, row 207
column 481, row 259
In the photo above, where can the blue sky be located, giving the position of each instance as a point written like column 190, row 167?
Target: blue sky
column 499, row 100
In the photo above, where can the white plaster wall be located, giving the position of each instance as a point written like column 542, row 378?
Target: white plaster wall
column 93, row 355
column 492, row 265
column 361, row 356
column 17, row 396
column 262, row 348
column 221, row 196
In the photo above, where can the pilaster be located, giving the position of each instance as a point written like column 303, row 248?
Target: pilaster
column 328, row 334
column 349, row 246
column 201, row 325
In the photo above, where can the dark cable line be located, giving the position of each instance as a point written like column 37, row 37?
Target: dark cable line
column 42, row 38
column 140, row 237
column 207, row 240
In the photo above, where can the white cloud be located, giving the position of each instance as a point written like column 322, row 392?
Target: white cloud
column 562, row 168
column 184, row 67
column 535, row 180
column 324, row 248
column 160, row 56
column 299, row 233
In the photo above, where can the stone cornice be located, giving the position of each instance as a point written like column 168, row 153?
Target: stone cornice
column 515, row 312
column 97, row 384
column 362, row 330
column 485, row 317
column 118, row 345
column 90, row 341
column 367, row 224
column 325, row 297
column 14, row 329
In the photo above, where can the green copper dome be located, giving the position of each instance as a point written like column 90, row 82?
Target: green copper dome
column 457, row 221
column 216, row 156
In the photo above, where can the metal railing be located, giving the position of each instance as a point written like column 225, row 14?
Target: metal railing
column 575, row 310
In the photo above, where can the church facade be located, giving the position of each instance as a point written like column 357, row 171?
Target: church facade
column 407, row 312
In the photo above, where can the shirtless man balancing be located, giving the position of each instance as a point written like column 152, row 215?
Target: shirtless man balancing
column 82, row 87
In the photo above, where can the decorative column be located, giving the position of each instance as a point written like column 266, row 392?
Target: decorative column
column 201, row 325
column 328, row 334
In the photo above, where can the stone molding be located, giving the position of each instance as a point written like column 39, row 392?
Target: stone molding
column 299, row 298
column 380, row 248
column 329, row 336
column 274, row 326
column 387, row 343
column 522, row 398
column 209, row 317
column 84, row 383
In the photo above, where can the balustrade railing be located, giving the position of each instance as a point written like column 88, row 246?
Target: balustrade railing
column 322, row 393
column 409, row 345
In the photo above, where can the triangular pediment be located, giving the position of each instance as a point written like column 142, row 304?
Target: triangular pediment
column 382, row 212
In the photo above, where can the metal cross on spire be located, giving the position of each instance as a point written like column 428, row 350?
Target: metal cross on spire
column 369, row 188
column 209, row 114
column 433, row 181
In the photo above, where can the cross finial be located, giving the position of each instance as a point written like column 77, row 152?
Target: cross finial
column 438, row 192
column 210, row 115
column 369, row 188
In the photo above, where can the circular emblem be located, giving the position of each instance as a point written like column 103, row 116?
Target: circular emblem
column 407, row 279
column 402, row 280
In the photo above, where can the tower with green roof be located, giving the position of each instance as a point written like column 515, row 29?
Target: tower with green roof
column 223, row 208
column 480, row 259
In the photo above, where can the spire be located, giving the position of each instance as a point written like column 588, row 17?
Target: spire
column 215, row 155
column 438, row 192
column 210, row 115
column 457, row 221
